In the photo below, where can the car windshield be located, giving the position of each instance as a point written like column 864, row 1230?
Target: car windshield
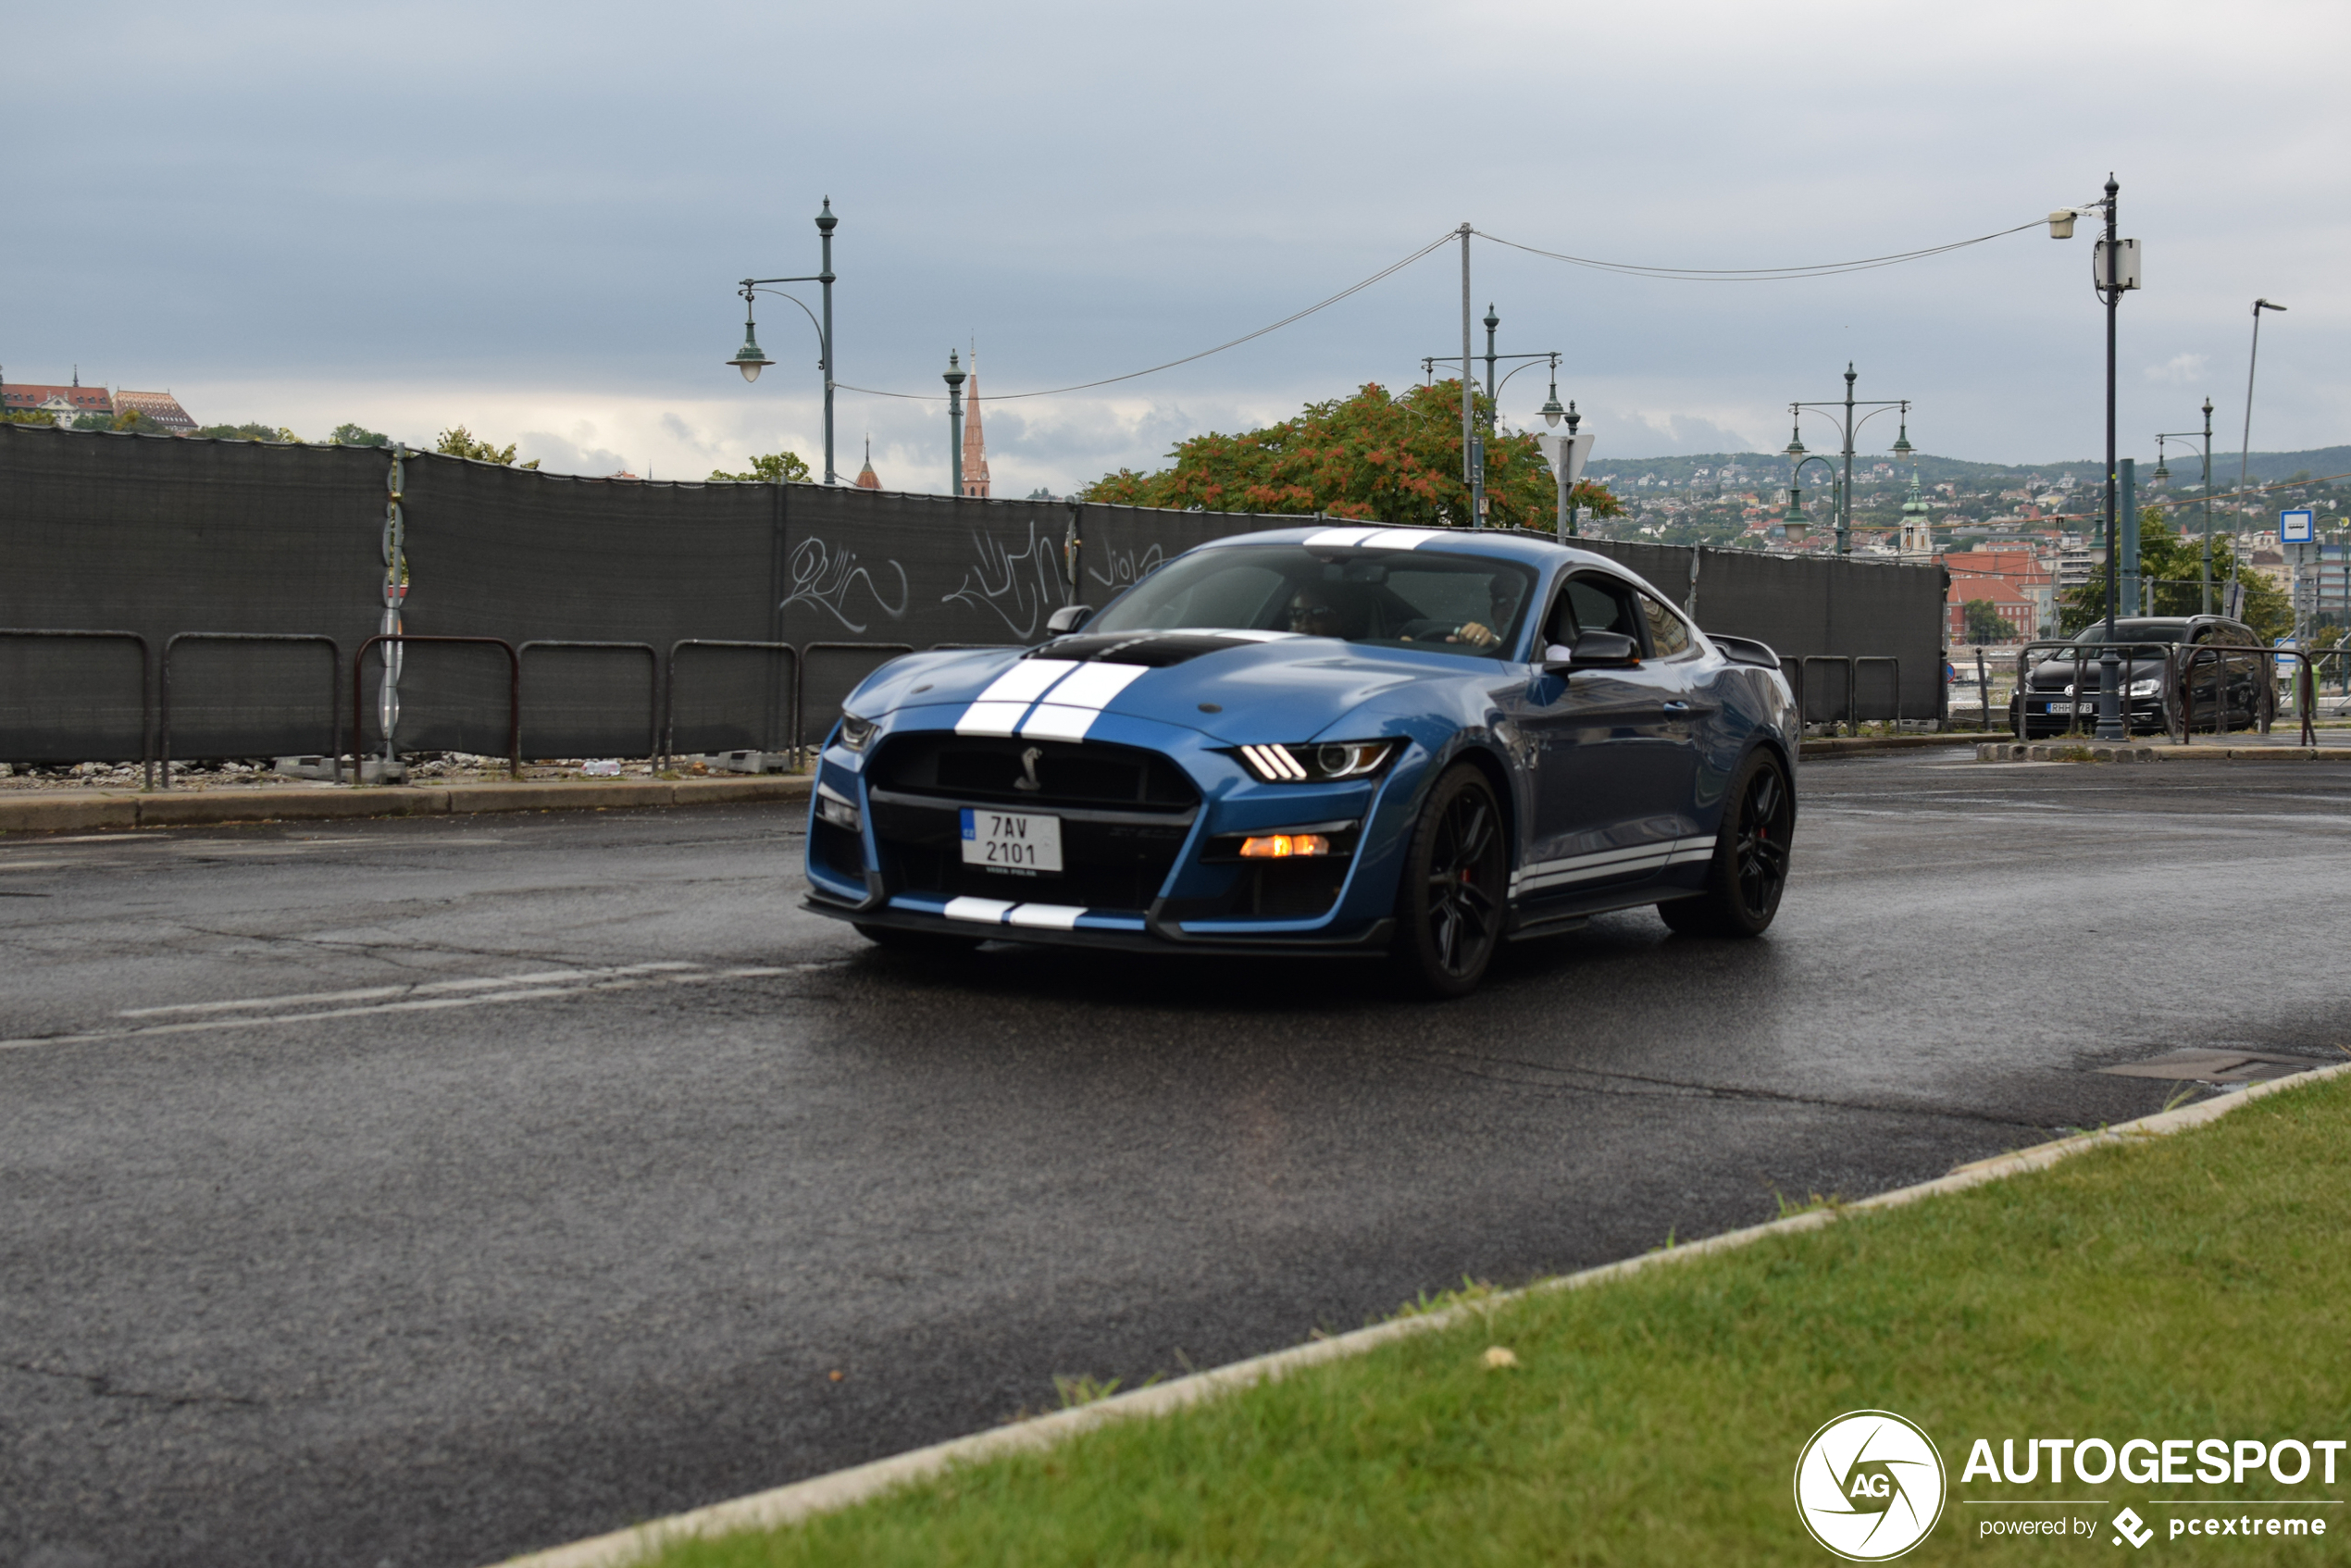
column 1427, row 599
column 2134, row 632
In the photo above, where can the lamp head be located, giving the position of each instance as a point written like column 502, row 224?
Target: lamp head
column 1492, row 321
column 955, row 374
column 2260, row 306
column 748, row 358
column 2061, row 223
column 1795, row 443
column 1552, row 411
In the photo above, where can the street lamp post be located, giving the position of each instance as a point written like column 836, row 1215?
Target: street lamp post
column 751, row 361
column 2244, row 453
column 2114, row 270
column 953, row 376
column 1850, row 427
column 1472, row 443
column 2163, row 472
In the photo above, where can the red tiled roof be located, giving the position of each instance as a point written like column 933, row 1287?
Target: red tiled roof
column 25, row 394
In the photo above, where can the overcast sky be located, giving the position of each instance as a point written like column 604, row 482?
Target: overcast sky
column 528, row 218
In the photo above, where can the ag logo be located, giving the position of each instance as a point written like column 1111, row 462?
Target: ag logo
column 1868, row 1485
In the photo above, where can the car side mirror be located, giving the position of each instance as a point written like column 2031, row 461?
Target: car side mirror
column 1068, row 618
column 1597, row 650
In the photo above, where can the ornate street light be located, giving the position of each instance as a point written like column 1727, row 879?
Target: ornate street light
column 954, row 376
column 751, row 360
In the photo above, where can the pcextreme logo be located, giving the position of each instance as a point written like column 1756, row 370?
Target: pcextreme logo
column 1869, row 1485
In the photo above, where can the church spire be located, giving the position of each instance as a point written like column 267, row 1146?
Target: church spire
column 974, row 443
column 866, row 477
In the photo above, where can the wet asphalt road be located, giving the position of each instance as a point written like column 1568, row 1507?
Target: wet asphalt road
column 419, row 1193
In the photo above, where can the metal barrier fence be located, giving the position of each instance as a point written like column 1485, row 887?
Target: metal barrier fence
column 513, row 697
column 334, row 678
column 791, row 691
column 653, row 684
column 1847, row 710
column 2177, row 685
column 1799, row 670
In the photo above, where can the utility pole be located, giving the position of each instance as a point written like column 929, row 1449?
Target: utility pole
column 1473, row 460
column 2109, row 662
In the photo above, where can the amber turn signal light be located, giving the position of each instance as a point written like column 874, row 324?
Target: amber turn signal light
column 1281, row 846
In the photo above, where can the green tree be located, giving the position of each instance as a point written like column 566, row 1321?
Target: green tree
column 2175, row 564
column 1985, row 623
column 459, row 442
column 251, row 432
column 29, row 417
column 1372, row 456
column 776, row 468
column 357, row 435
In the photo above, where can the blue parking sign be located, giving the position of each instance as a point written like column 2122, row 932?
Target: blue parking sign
column 2297, row 527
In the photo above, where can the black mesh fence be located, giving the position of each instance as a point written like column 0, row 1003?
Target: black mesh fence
column 689, row 617
column 158, row 536
column 1810, row 609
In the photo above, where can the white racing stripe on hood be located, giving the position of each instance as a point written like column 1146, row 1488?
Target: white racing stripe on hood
column 997, row 710
column 1077, row 701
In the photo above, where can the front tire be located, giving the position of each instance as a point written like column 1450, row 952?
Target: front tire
column 1449, row 909
column 1749, row 872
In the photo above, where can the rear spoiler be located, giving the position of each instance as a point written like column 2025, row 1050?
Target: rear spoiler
column 1745, row 651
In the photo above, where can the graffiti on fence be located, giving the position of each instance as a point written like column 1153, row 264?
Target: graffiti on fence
column 1017, row 586
column 825, row 577
column 1127, row 568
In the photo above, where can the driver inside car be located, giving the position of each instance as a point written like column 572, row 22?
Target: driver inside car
column 1503, row 605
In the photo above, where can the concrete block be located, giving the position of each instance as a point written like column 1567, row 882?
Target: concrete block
column 728, row 792
column 197, row 807
column 47, row 813
column 560, row 795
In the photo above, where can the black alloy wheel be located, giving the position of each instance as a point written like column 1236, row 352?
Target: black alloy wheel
column 1749, row 872
column 1450, row 910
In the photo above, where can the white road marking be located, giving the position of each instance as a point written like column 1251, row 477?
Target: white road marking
column 584, row 982
column 370, row 993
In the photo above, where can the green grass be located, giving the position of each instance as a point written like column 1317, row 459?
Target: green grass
column 2193, row 1286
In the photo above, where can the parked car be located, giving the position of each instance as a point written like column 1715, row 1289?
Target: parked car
column 2236, row 687
column 1325, row 741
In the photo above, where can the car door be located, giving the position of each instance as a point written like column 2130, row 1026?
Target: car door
column 1614, row 750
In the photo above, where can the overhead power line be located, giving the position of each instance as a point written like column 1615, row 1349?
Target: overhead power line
column 1635, row 269
column 1387, row 271
column 1756, row 274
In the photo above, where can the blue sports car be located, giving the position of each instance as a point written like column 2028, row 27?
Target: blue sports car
column 1325, row 739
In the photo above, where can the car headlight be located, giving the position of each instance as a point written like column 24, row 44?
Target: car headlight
column 2151, row 687
column 855, row 733
column 1324, row 761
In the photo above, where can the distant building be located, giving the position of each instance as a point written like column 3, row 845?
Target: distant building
column 161, row 407
column 68, row 403
column 866, row 477
column 2016, row 580
column 974, row 443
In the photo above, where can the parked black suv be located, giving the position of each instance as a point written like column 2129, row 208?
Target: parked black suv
column 2239, row 683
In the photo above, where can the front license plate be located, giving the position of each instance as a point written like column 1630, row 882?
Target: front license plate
column 1012, row 841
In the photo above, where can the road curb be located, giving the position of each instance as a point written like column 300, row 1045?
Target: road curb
column 59, row 811
column 2091, row 751
column 1863, row 745
column 824, row 1494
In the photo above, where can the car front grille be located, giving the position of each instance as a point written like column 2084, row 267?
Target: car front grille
column 1124, row 814
column 999, row 772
